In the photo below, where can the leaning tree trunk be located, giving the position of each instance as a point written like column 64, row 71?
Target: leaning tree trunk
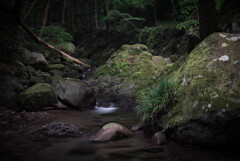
column 45, row 18
column 39, row 41
column 207, row 17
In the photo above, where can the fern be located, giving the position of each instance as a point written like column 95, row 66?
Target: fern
column 123, row 21
column 54, row 34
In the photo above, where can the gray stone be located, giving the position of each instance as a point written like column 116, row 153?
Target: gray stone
column 75, row 93
column 37, row 60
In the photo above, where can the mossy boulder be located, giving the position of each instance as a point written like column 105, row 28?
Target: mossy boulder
column 208, row 92
column 34, row 59
column 38, row 96
column 57, row 72
column 129, row 71
column 67, row 47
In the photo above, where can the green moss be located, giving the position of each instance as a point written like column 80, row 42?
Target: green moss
column 206, row 86
column 56, row 67
column 38, row 96
column 138, row 68
column 67, row 47
column 56, row 72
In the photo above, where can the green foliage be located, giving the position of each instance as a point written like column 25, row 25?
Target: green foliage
column 157, row 100
column 189, row 12
column 188, row 6
column 219, row 4
column 188, row 24
column 54, row 34
column 153, row 36
column 123, row 21
column 148, row 36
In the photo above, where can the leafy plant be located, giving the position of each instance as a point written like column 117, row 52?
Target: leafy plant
column 154, row 36
column 188, row 10
column 157, row 100
column 54, row 34
column 188, row 24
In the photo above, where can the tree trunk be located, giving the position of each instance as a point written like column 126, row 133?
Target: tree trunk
column 30, row 9
column 155, row 13
column 72, row 22
column 39, row 41
column 96, row 15
column 174, row 11
column 207, row 17
column 63, row 13
column 45, row 18
column 107, row 22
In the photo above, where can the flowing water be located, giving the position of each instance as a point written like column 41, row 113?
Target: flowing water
column 136, row 148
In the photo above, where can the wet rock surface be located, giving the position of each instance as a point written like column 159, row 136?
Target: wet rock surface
column 111, row 131
column 137, row 127
column 159, row 138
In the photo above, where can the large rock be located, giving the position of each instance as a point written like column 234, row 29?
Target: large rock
column 75, row 93
column 37, row 60
column 128, row 72
column 208, row 108
column 188, row 41
column 111, row 131
column 38, row 96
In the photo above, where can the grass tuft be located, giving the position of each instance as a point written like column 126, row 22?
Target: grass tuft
column 157, row 100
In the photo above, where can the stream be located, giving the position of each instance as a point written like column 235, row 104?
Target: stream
column 137, row 148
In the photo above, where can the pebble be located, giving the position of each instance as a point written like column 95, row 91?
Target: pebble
column 224, row 58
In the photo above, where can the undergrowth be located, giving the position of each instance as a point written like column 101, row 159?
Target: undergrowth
column 157, row 100
column 54, row 34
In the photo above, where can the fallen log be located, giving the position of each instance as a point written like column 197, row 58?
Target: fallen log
column 40, row 41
